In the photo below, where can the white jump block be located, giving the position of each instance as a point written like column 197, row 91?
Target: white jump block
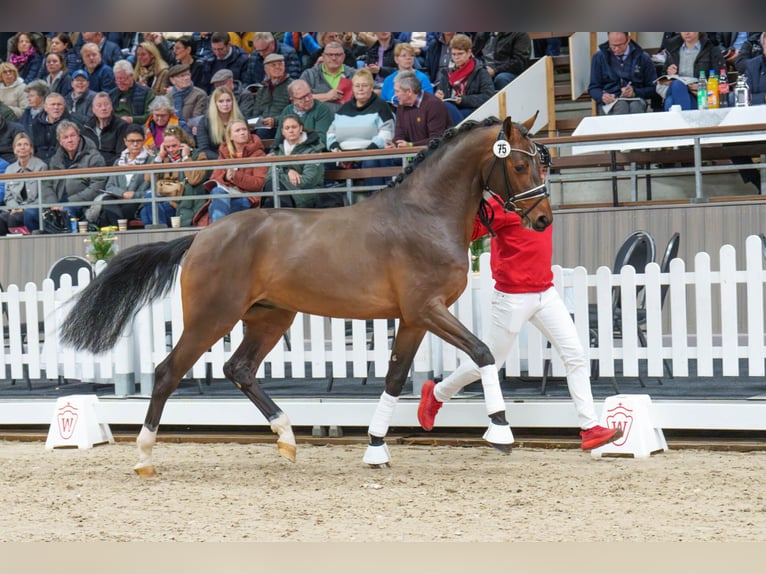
column 76, row 423
column 641, row 435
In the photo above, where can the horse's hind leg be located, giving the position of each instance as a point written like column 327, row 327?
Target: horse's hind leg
column 405, row 346
column 263, row 328
column 167, row 376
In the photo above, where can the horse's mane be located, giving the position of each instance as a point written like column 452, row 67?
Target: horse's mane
column 437, row 144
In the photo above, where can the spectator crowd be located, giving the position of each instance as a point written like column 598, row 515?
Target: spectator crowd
column 85, row 99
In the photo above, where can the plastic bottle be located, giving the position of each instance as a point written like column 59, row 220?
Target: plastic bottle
column 723, row 89
column 702, row 92
column 741, row 92
column 712, row 90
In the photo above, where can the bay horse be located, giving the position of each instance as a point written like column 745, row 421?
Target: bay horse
column 402, row 253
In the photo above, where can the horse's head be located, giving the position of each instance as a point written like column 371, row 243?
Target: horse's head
column 516, row 175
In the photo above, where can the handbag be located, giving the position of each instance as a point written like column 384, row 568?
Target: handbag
column 55, row 221
column 169, row 187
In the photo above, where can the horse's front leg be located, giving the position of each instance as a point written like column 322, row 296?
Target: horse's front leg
column 445, row 325
column 405, row 346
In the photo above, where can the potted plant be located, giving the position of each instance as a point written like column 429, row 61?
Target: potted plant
column 102, row 245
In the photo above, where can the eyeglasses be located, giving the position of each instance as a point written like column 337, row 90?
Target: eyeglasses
column 303, row 97
column 132, row 141
column 334, row 54
column 618, row 46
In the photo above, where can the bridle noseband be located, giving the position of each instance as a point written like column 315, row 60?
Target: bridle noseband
column 539, row 192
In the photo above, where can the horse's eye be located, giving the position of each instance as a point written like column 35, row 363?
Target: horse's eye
column 520, row 168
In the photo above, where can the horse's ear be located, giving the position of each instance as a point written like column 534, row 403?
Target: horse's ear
column 531, row 121
column 507, row 128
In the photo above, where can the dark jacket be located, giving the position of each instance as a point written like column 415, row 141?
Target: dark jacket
column 750, row 49
column 312, row 173
column 44, row 135
column 433, row 57
column 8, row 131
column 708, row 58
column 755, row 70
column 511, row 52
column 271, row 100
column 102, row 78
column 388, row 64
column 134, row 103
column 609, row 74
column 479, row 87
column 85, row 187
column 80, row 109
column 254, row 72
column 236, row 61
column 110, row 141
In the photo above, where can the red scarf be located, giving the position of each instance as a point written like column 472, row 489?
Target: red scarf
column 457, row 77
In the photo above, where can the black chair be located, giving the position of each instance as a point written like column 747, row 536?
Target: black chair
column 69, row 265
column 638, row 249
column 763, row 243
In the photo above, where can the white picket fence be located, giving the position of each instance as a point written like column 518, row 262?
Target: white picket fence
column 318, row 347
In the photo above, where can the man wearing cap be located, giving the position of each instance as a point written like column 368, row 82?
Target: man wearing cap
column 272, row 98
column 129, row 99
column 245, row 99
column 264, row 44
column 189, row 101
column 79, row 102
column 227, row 57
column 100, row 75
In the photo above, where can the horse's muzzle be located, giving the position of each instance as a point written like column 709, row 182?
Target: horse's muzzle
column 541, row 222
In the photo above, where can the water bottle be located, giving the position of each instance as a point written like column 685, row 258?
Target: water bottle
column 741, row 92
column 702, row 92
column 723, row 89
column 73, row 225
column 712, row 90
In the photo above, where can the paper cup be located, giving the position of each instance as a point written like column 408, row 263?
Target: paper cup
column 675, row 108
column 82, row 226
column 122, row 224
column 175, row 221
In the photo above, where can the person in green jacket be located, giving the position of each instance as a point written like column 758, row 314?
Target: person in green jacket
column 299, row 175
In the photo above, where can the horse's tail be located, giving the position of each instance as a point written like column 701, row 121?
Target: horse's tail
column 135, row 277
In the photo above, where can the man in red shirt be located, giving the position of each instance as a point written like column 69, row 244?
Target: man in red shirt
column 520, row 259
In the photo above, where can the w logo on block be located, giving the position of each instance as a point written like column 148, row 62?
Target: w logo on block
column 67, row 420
column 620, row 417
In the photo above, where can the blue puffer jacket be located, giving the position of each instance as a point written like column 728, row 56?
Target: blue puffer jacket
column 609, row 74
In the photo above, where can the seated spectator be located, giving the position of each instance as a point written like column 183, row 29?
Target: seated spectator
column 380, row 57
column 36, row 91
column 355, row 47
column 322, row 39
column 79, row 100
column 8, row 131
column 438, row 55
column 419, row 42
column 162, row 116
column 75, row 152
column 105, row 129
column 12, row 89
column 229, row 183
column 468, row 85
column 22, row 195
column 420, row 116
column 100, row 75
column 124, row 185
column 755, row 71
column 751, row 48
column 130, row 99
column 202, row 48
column 157, row 39
column 177, row 147
column 211, row 130
column 61, row 43
column 304, row 43
column 183, row 50
column 194, row 184
column 366, row 122
column 622, row 76
column 26, row 57
column 110, row 51
column 58, row 77
column 264, row 44
column 272, row 98
column 687, row 55
column 244, row 98
column 330, row 80
column 316, row 116
column 404, row 55
column 44, row 126
column 150, row 69
column 227, row 56
column 505, row 55
column 300, row 175
column 189, row 101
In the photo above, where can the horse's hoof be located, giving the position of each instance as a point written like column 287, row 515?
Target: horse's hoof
column 286, row 450
column 147, row 471
column 377, row 456
column 380, row 466
column 499, row 436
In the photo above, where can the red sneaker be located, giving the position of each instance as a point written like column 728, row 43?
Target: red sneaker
column 599, row 436
column 428, row 406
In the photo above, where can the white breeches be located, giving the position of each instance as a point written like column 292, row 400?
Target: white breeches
column 547, row 312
